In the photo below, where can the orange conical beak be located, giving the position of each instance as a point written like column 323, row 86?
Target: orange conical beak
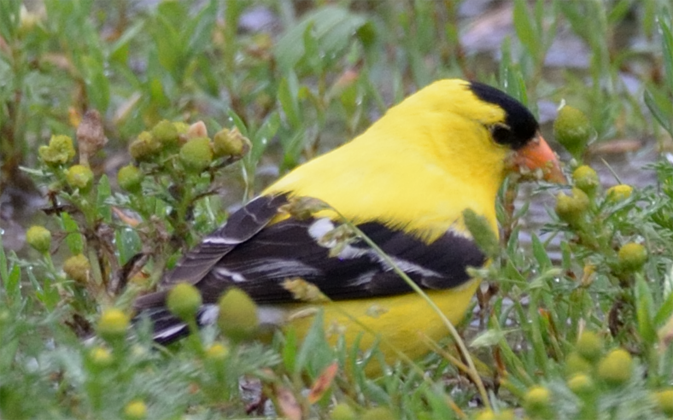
column 538, row 158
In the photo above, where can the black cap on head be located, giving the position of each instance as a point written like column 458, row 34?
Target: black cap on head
column 519, row 126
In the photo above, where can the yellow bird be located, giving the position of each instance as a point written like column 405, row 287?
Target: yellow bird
column 405, row 183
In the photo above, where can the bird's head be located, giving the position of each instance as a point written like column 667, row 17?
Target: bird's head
column 493, row 133
column 518, row 130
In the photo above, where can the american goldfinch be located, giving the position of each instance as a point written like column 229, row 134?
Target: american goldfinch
column 404, row 183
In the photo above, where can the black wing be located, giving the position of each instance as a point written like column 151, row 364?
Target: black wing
column 257, row 257
column 292, row 248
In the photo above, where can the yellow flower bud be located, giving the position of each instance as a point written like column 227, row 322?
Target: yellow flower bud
column 619, row 193
column 144, row 148
column 378, row 413
column 39, row 238
column 616, row 368
column 664, row 399
column 580, row 384
column 112, row 324
column 237, row 316
column 217, row 352
column 537, row 400
column 571, row 209
column 573, row 130
column 575, row 363
column 632, row 256
column 343, row 411
column 77, row 268
column 100, row 356
column 586, row 179
column 589, row 346
column 184, row 301
column 135, row 410
column 79, row 176
column 166, row 133
column 197, row 154
column 130, row 178
column 59, row 152
column 230, row 143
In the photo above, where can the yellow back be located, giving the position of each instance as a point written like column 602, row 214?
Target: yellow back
column 424, row 162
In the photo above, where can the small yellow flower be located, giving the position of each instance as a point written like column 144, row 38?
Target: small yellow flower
column 77, row 268
column 619, row 193
column 580, row 384
column 589, row 346
column 184, row 301
column 197, row 154
column 616, row 368
column 100, row 356
column 39, row 238
column 632, row 256
column 112, row 324
column 135, row 410
column 237, row 316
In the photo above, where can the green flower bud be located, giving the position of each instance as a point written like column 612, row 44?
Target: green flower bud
column 217, row 352
column 571, row 209
column 237, row 316
column 79, row 176
column 581, row 384
column 135, row 410
column 130, row 178
column 664, row 399
column 343, row 411
column 197, row 154
column 586, row 179
column 573, row 130
column 39, row 238
column 378, row 413
column 112, row 324
column 144, row 148
column 616, row 368
column 166, row 134
column 537, row 400
column 100, row 356
column 589, row 346
column 184, row 301
column 230, row 143
column 575, row 364
column 77, row 268
column 59, row 152
column 632, row 256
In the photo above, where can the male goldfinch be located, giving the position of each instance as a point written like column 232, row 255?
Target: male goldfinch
column 404, row 183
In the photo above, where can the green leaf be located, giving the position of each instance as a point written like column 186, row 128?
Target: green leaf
column 644, row 310
column 661, row 108
column 128, row 243
column 96, row 82
column 287, row 96
column 526, row 30
column 74, row 238
column 104, row 192
column 289, row 352
column 540, row 253
column 4, row 266
column 10, row 18
column 333, row 29
column 667, row 46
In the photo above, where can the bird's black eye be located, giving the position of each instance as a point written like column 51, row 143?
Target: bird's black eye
column 502, row 134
